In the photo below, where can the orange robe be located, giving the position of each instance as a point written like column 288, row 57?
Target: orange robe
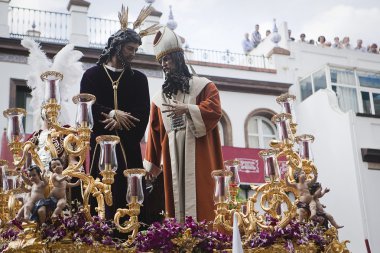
column 202, row 148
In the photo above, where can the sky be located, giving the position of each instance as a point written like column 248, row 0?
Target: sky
column 221, row 24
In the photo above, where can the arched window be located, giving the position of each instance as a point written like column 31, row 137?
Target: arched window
column 225, row 130
column 259, row 129
column 221, row 133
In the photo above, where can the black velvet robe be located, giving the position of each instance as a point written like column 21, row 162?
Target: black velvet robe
column 133, row 97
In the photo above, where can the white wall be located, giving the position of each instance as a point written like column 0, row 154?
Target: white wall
column 368, row 136
column 238, row 106
column 337, row 163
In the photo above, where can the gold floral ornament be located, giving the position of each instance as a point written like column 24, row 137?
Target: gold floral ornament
column 186, row 242
column 335, row 246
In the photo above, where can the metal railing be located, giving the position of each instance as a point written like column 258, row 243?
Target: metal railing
column 227, row 57
column 54, row 27
column 100, row 29
column 43, row 25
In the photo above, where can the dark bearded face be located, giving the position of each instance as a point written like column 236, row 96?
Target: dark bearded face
column 176, row 77
column 116, row 46
column 126, row 52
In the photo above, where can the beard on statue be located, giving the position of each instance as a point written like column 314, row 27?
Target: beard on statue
column 175, row 82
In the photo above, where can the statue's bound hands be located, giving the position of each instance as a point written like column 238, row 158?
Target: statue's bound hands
column 110, row 123
column 126, row 119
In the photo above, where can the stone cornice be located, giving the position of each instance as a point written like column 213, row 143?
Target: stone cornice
column 279, row 51
column 82, row 3
column 229, row 66
column 249, row 86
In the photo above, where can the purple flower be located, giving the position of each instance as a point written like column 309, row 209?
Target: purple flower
column 159, row 236
column 294, row 232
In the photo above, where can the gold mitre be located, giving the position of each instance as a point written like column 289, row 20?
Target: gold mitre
column 165, row 42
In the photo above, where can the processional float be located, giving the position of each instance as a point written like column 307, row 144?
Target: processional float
column 272, row 207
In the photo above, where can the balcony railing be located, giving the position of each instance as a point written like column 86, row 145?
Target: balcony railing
column 99, row 30
column 45, row 25
column 53, row 27
column 226, row 57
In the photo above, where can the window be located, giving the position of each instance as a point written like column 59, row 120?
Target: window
column 376, row 102
column 313, row 83
column 29, row 115
column 225, row 130
column 356, row 90
column 20, row 97
column 371, row 100
column 306, row 88
column 319, row 80
column 346, row 98
column 260, row 131
column 342, row 76
column 221, row 133
column 371, row 80
column 366, row 102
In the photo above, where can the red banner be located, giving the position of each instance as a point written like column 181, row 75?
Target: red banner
column 251, row 165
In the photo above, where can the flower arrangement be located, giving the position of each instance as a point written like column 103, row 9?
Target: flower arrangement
column 172, row 236
column 9, row 233
column 77, row 229
column 295, row 233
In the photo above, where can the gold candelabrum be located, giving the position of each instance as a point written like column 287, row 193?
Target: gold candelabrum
column 275, row 197
column 76, row 143
column 135, row 198
column 233, row 167
column 4, row 192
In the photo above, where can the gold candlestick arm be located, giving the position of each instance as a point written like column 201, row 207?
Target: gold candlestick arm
column 106, row 191
column 108, row 176
column 234, row 189
column 97, row 189
column 222, row 221
column 81, row 147
column 16, row 150
column 132, row 224
column 52, row 111
column 272, row 195
column 28, row 147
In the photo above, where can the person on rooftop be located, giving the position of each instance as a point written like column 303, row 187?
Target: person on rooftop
column 359, row 46
column 373, row 49
column 256, row 37
column 346, row 43
column 302, row 38
column 247, row 44
column 336, row 43
column 321, row 41
column 267, row 33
